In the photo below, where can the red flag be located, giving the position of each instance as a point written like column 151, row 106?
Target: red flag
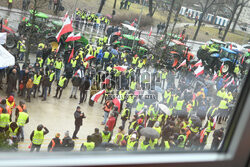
column 214, row 122
column 88, row 57
column 225, row 76
column 190, row 67
column 182, row 64
column 215, row 76
column 71, row 55
column 67, row 27
column 202, row 134
column 117, row 103
column 242, row 60
column 229, row 83
column 132, row 24
column 199, row 63
column 121, row 68
column 65, row 16
column 222, row 65
column 199, row 71
column 150, row 32
column 106, row 81
column 73, row 37
column 231, row 47
column 96, row 96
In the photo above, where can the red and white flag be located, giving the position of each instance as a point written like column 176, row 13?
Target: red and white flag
column 199, row 71
column 117, row 103
column 214, row 122
column 199, row 63
column 221, row 67
column 71, row 55
column 73, row 37
column 215, row 76
column 67, row 27
column 121, row 68
column 65, row 16
column 57, row 49
column 88, row 57
column 150, row 32
column 225, row 76
column 202, row 134
column 229, row 83
column 182, row 64
column 96, row 96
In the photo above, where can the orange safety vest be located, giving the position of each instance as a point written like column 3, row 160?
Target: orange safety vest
column 20, row 109
column 106, row 108
column 53, row 144
column 7, row 108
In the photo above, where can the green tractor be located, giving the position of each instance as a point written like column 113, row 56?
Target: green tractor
column 125, row 43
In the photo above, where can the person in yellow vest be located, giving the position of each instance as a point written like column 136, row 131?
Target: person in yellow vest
column 134, row 61
column 106, row 135
column 157, row 128
column 10, row 4
column 133, row 85
column 130, row 101
column 125, row 115
column 21, row 49
column 181, row 140
column 237, row 70
column 122, row 95
column 229, row 97
column 119, row 136
column 167, row 96
column 61, row 84
column 201, row 93
column 13, row 132
column 209, row 125
column 145, row 145
column 163, row 78
column 88, row 146
column 221, row 94
column 139, row 106
column 11, row 103
column 132, row 143
column 22, row 119
column 223, row 110
column 37, row 137
column 73, row 63
column 4, row 119
column 179, row 107
column 58, row 67
column 36, row 82
column 51, row 75
column 152, row 116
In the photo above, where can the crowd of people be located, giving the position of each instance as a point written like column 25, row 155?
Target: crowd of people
column 194, row 108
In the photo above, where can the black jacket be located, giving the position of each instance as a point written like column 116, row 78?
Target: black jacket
column 76, row 81
column 216, row 135
column 68, row 144
column 45, row 81
column 78, row 118
column 96, row 138
column 85, row 85
column 55, row 145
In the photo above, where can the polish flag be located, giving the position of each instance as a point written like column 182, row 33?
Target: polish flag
column 215, row 76
column 121, row 68
column 214, row 122
column 150, row 32
column 228, row 78
column 73, row 37
column 199, row 63
column 231, row 47
column 222, row 65
column 132, row 24
column 229, row 83
column 202, row 134
column 96, row 96
column 71, row 55
column 117, row 103
column 199, row 71
column 107, row 80
column 67, row 27
column 225, row 76
column 65, row 16
column 88, row 57
column 242, row 60
column 182, row 64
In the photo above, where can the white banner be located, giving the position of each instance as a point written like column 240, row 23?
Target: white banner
column 3, row 38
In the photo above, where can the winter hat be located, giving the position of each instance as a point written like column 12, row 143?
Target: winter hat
column 66, row 133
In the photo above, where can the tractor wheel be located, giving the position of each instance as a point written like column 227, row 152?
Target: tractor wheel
column 227, row 67
column 201, row 54
column 11, row 41
column 53, row 43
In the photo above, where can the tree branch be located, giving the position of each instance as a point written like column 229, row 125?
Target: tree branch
column 202, row 8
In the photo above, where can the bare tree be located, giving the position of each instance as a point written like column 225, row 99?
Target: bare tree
column 152, row 8
column 204, row 8
column 101, row 6
column 168, row 19
column 242, row 5
column 236, row 4
column 176, row 15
